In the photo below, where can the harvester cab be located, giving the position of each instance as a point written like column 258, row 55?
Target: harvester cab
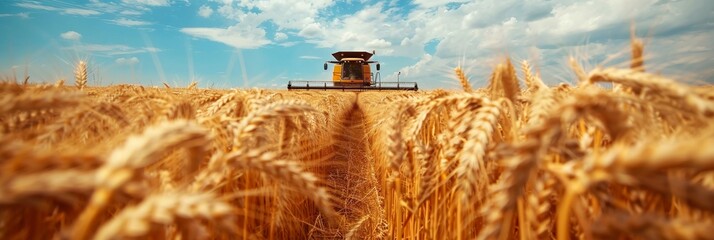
column 352, row 71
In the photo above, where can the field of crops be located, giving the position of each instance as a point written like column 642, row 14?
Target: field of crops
column 514, row 160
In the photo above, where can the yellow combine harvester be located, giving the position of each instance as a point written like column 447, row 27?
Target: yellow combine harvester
column 352, row 71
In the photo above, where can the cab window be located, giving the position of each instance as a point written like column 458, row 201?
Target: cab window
column 352, row 71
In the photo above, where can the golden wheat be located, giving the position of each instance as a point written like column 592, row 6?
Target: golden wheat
column 512, row 160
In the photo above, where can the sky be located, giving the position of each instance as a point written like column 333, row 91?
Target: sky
column 265, row 43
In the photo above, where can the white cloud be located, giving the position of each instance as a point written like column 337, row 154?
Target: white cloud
column 130, row 12
column 79, row 11
column 71, row 35
column 300, row 16
column 310, row 57
column 152, row 49
column 71, row 11
column 240, row 36
column 312, row 30
column 481, row 31
column 205, row 11
column 111, row 49
column 690, row 61
column 288, row 44
column 429, row 72
column 127, row 61
column 129, row 22
column 35, row 5
column 20, row 15
column 417, row 67
column 378, row 43
column 368, row 29
column 279, row 36
column 582, row 18
column 116, row 7
column 284, row 13
column 148, row 2
column 436, row 3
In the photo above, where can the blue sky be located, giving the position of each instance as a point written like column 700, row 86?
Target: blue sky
column 265, row 43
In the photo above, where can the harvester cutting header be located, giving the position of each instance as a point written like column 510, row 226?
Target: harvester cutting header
column 352, row 71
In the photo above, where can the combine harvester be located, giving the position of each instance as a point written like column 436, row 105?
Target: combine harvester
column 353, row 72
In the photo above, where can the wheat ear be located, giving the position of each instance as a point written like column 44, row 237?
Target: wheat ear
column 396, row 149
column 192, row 86
column 578, row 70
column 80, row 75
column 659, row 85
column 355, row 228
column 471, row 161
column 290, row 172
column 30, row 101
column 252, row 123
column 462, row 79
column 165, row 209
column 47, row 184
column 125, row 163
column 638, row 48
column 509, row 81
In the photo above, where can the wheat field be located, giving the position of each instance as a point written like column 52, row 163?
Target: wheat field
column 516, row 159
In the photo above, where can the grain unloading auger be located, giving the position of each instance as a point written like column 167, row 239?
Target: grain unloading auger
column 352, row 71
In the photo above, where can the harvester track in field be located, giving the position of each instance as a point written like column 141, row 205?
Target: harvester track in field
column 353, row 177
